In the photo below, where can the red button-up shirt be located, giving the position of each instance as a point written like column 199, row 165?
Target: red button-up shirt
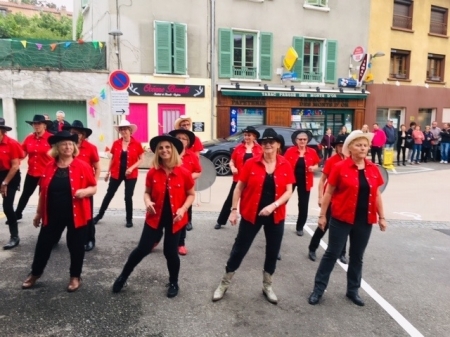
column 252, row 175
column 179, row 183
column 37, row 149
column 191, row 162
column 198, row 146
column 9, row 149
column 329, row 164
column 311, row 159
column 133, row 153
column 88, row 153
column 344, row 177
column 81, row 176
column 238, row 156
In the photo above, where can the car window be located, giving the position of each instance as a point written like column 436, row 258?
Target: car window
column 236, row 137
column 286, row 133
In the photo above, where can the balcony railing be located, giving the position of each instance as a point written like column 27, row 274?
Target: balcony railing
column 401, row 21
column 244, row 72
column 312, row 77
column 438, row 28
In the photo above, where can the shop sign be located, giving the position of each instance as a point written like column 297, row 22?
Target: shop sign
column 325, row 103
column 198, row 126
column 290, row 94
column 248, row 101
column 166, row 90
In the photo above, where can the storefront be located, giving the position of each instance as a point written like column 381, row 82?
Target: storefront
column 311, row 110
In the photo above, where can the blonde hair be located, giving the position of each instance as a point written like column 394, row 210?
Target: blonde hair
column 54, row 153
column 175, row 159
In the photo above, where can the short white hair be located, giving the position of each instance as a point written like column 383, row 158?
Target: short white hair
column 60, row 112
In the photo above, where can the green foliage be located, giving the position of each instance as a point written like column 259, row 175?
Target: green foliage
column 79, row 28
column 42, row 26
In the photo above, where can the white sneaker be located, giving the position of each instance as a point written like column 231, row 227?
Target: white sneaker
column 445, row 162
column 441, row 162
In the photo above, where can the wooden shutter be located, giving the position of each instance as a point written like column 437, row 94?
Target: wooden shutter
column 180, row 48
column 299, row 44
column 163, row 47
column 265, row 57
column 324, row 3
column 330, row 70
column 225, row 52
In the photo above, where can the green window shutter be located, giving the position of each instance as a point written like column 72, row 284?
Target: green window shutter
column 225, row 52
column 324, row 3
column 84, row 3
column 163, row 47
column 265, row 57
column 330, row 71
column 299, row 44
column 313, row 2
column 180, row 48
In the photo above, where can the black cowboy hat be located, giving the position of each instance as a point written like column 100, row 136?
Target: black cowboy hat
column 61, row 136
column 40, row 119
column 270, row 134
column 175, row 141
column 340, row 139
column 78, row 125
column 188, row 133
column 251, row 129
column 3, row 126
column 296, row 133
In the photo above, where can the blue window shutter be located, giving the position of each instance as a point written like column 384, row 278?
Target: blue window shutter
column 163, row 47
column 265, row 57
column 330, row 71
column 299, row 44
column 180, row 48
column 225, row 52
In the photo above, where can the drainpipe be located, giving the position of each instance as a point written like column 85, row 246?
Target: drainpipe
column 212, row 62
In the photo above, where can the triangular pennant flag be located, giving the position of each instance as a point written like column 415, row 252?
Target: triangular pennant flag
column 95, row 43
column 99, row 123
column 107, row 149
column 53, row 46
column 101, row 138
column 91, row 102
column 100, row 44
column 39, row 46
column 80, row 41
column 103, row 94
column 92, row 111
column 95, row 100
column 24, row 43
column 67, row 44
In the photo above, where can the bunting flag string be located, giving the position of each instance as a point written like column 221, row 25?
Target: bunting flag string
column 53, row 46
column 96, row 44
column 67, row 44
column 24, row 43
column 100, row 44
column 92, row 111
column 39, row 46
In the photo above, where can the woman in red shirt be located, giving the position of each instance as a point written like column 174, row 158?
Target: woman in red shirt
column 305, row 162
column 65, row 188
column 244, row 151
column 126, row 156
column 169, row 192
column 264, row 187
column 353, row 190
column 10, row 155
column 36, row 146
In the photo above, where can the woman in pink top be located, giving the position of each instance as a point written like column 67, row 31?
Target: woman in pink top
column 418, row 138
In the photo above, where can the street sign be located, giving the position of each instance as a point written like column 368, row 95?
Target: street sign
column 119, row 80
column 120, row 104
column 358, row 54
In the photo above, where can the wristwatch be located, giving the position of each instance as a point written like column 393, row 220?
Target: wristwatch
column 233, row 209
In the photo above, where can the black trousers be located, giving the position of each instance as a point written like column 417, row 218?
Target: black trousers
column 49, row 235
column 29, row 187
column 129, row 191
column 434, row 152
column 327, row 153
column 303, row 204
column 148, row 238
column 425, row 154
column 337, row 236
column 183, row 232
column 376, row 151
column 8, row 201
column 226, row 208
column 90, row 233
column 401, row 150
column 244, row 239
column 319, row 234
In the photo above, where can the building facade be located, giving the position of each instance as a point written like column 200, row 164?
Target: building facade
column 410, row 80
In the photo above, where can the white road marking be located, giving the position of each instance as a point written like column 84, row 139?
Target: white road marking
column 411, row 169
column 415, row 216
column 402, row 321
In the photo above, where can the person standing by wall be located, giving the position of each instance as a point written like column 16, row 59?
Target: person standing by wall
column 418, row 138
column 378, row 141
column 436, row 131
column 401, row 144
column 389, row 131
column 445, row 143
column 59, row 122
column 365, row 128
column 11, row 154
column 410, row 141
column 327, row 144
column 426, row 145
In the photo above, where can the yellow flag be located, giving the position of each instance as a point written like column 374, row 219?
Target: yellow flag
column 101, row 137
column 24, row 43
column 95, row 100
column 290, row 58
column 100, row 44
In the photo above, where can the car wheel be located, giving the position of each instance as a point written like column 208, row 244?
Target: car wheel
column 221, row 164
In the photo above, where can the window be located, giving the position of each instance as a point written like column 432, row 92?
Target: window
column 318, row 3
column 170, row 48
column 3, row 11
column 84, row 3
column 316, row 60
column 435, row 67
column 400, row 60
column 438, row 20
column 403, row 10
column 245, row 55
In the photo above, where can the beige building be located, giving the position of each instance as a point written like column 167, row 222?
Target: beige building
column 7, row 7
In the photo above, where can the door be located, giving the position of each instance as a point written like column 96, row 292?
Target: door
column 167, row 115
column 338, row 118
column 1, row 110
column 139, row 116
column 26, row 109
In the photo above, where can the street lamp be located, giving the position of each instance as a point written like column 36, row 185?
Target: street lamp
column 116, row 33
column 377, row 54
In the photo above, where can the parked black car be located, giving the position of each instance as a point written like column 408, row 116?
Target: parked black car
column 219, row 150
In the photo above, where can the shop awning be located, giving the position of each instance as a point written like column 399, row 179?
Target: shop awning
column 294, row 94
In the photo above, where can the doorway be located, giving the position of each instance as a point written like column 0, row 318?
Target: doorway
column 167, row 115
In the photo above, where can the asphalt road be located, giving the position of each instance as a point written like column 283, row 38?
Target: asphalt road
column 406, row 273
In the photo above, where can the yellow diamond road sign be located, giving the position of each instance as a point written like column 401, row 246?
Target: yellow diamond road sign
column 290, row 58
